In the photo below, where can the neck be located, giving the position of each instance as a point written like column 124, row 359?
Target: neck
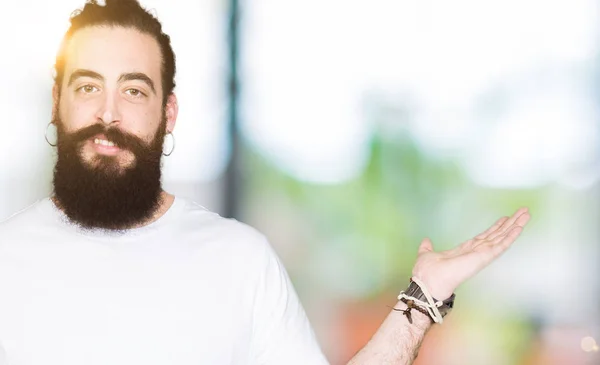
column 166, row 201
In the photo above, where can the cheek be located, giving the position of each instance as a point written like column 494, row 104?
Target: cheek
column 143, row 122
column 75, row 117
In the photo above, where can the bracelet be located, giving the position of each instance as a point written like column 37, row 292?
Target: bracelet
column 418, row 297
column 410, row 306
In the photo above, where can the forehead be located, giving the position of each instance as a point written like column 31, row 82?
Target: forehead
column 111, row 51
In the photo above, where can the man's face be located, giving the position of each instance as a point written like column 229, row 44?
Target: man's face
column 112, row 77
column 111, row 124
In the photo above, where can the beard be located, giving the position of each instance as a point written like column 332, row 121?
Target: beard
column 102, row 194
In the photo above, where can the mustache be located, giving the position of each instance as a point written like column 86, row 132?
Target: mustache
column 121, row 139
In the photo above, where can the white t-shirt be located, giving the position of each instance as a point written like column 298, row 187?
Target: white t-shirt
column 190, row 288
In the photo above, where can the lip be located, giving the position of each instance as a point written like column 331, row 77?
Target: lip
column 101, row 149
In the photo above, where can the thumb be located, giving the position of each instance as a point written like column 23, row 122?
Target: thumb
column 425, row 246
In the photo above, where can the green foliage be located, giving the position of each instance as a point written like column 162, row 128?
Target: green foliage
column 375, row 222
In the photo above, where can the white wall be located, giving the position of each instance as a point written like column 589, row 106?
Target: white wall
column 30, row 33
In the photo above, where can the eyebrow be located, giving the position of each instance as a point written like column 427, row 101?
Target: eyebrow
column 138, row 76
column 84, row 73
column 124, row 77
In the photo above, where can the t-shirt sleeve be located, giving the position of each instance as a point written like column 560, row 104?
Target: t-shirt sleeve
column 282, row 333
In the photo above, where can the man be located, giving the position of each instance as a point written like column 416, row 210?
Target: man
column 111, row 269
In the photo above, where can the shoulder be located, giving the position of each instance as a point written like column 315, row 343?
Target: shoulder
column 238, row 250
column 24, row 217
column 210, row 228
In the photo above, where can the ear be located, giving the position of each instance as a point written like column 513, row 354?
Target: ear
column 55, row 101
column 171, row 111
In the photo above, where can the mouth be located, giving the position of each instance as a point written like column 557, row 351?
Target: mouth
column 103, row 145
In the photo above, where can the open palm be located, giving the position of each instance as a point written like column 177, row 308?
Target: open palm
column 442, row 272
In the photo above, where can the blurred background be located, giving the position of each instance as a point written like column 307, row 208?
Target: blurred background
column 347, row 131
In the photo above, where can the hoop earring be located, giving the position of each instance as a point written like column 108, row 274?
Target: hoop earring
column 173, row 143
column 46, row 136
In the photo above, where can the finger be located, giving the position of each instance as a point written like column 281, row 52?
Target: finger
column 519, row 223
column 507, row 240
column 499, row 236
column 523, row 219
column 507, row 224
column 493, row 228
column 494, row 231
column 425, row 246
column 489, row 251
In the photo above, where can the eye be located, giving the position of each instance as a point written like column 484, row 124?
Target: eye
column 135, row 93
column 88, row 89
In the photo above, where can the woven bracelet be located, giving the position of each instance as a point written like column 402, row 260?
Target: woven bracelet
column 410, row 306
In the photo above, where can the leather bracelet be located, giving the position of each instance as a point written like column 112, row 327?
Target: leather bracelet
column 417, row 297
column 410, row 306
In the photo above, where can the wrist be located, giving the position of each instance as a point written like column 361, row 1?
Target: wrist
column 418, row 297
column 418, row 319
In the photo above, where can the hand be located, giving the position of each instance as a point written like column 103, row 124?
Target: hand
column 442, row 272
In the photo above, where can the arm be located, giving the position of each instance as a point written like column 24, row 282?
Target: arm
column 397, row 341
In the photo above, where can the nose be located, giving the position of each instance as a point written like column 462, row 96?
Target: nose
column 108, row 112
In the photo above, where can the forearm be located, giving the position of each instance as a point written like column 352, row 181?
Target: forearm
column 396, row 341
